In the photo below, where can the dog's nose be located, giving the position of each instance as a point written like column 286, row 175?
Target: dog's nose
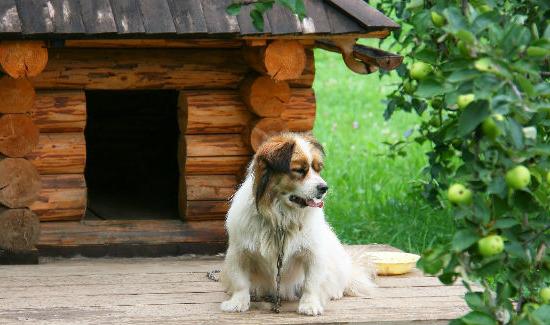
column 322, row 188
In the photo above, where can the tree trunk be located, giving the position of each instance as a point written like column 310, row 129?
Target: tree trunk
column 16, row 95
column 18, row 135
column 19, row 183
column 263, row 129
column 19, row 229
column 265, row 96
column 21, row 59
column 281, row 59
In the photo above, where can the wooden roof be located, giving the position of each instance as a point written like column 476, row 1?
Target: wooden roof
column 179, row 18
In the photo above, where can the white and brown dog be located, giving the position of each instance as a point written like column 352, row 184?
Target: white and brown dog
column 283, row 190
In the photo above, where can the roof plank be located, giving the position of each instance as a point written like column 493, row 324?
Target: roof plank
column 317, row 19
column 366, row 15
column 98, row 17
column 340, row 23
column 127, row 16
column 66, row 17
column 157, row 17
column 245, row 22
column 36, row 16
column 188, row 16
column 283, row 21
column 218, row 21
column 9, row 17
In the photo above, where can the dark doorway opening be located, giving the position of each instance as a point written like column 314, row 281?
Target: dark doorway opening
column 132, row 168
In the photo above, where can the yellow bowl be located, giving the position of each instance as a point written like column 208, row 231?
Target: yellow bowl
column 393, row 263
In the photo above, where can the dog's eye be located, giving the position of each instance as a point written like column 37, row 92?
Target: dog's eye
column 301, row 171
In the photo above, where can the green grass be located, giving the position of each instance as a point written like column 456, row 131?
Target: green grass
column 371, row 198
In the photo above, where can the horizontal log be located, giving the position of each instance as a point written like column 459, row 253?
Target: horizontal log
column 142, row 69
column 300, row 111
column 210, row 187
column 18, row 135
column 60, row 111
column 20, row 59
column 16, row 95
column 206, row 210
column 63, row 197
column 19, row 183
column 226, row 165
column 208, row 145
column 155, row 43
column 220, row 111
column 60, row 153
column 308, row 75
column 19, row 229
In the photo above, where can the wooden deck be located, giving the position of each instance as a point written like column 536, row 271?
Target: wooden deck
column 175, row 290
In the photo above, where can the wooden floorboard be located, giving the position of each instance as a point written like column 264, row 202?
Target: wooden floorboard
column 175, row 290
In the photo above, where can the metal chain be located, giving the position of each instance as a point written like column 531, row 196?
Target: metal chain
column 276, row 306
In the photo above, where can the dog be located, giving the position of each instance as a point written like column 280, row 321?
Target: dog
column 283, row 193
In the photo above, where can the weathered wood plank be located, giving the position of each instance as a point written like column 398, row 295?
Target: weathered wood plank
column 340, row 23
column 283, row 21
column 66, row 17
column 188, row 16
column 127, row 17
column 156, row 16
column 317, row 19
column 9, row 17
column 98, row 17
column 156, row 43
column 142, row 69
column 60, row 111
column 218, row 21
column 245, row 23
column 59, row 153
column 36, row 16
column 368, row 16
column 63, row 197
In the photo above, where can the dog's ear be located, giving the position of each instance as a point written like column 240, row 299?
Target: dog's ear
column 272, row 157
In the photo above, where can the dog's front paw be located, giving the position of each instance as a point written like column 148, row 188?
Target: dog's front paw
column 236, row 304
column 310, row 306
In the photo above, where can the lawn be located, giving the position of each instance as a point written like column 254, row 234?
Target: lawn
column 371, row 199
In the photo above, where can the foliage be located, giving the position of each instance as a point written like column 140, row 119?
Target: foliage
column 259, row 7
column 480, row 83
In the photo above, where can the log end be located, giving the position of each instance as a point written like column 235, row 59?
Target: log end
column 22, row 59
column 19, row 229
column 285, row 59
column 18, row 135
column 20, row 183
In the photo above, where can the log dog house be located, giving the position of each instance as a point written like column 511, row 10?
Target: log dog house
column 126, row 125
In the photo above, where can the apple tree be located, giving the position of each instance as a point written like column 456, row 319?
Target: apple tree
column 478, row 75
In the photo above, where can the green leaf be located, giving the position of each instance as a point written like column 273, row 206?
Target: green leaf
column 463, row 239
column 542, row 314
column 515, row 134
column 506, row 223
column 257, row 19
column 478, row 318
column 233, row 9
column 430, row 88
column 475, row 300
column 463, row 75
column 472, row 116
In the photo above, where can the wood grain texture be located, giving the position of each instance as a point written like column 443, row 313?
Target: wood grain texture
column 216, row 145
column 19, row 183
column 308, row 75
column 156, row 43
column 340, row 23
column 21, row 59
column 156, row 16
column 232, row 165
column 217, row 19
column 300, row 110
column 365, row 14
column 264, row 128
column 245, row 23
column 188, row 16
column 210, row 187
column 98, row 17
column 19, row 229
column 220, row 111
column 280, row 59
column 127, row 16
column 18, row 135
column 142, row 69
column 66, row 16
column 60, row 111
column 62, row 198
column 283, row 21
column 59, row 153
column 206, row 210
column 317, row 19
column 264, row 96
column 36, row 16
column 16, row 95
column 9, row 17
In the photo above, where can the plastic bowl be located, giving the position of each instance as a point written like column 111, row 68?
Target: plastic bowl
column 393, row 263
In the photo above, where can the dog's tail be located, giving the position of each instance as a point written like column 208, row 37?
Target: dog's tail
column 363, row 272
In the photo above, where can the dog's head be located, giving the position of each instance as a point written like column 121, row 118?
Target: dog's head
column 287, row 170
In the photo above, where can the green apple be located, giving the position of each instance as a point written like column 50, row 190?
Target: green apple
column 485, row 8
column 490, row 245
column 484, row 65
column 490, row 127
column 465, row 100
column 438, row 19
column 545, row 295
column 409, row 86
column 459, row 194
column 420, row 70
column 466, row 50
column 518, row 177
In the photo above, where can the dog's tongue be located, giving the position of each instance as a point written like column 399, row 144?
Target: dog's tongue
column 314, row 204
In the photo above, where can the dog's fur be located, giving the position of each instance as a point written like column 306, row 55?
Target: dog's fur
column 283, row 189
